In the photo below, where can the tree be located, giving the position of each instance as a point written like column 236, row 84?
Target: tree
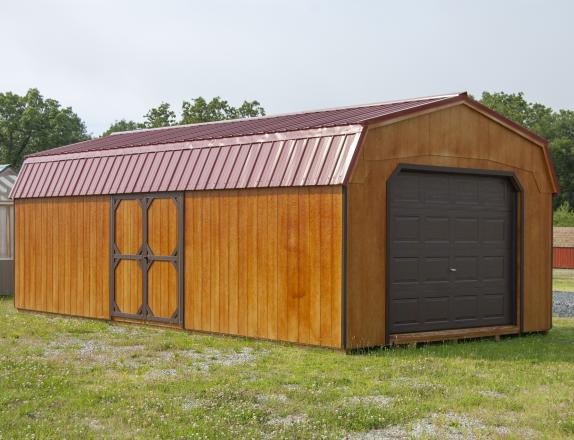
column 160, row 116
column 199, row 110
column 192, row 112
column 535, row 117
column 249, row 109
column 564, row 216
column 122, row 125
column 556, row 127
column 31, row 123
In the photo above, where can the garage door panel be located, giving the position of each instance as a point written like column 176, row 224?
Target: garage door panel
column 406, row 311
column 436, row 190
column 466, row 268
column 407, row 229
column 434, row 309
column 405, row 270
column 450, row 246
column 494, row 268
column 464, row 190
column 435, row 269
column 494, row 193
column 465, row 307
column 436, row 229
column 492, row 306
column 407, row 190
column 465, row 230
column 493, row 230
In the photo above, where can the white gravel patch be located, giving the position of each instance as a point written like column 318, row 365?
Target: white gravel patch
column 204, row 360
column 449, row 426
column 380, row 401
column 289, row 420
column 563, row 304
column 492, row 394
column 190, row 404
column 272, row 398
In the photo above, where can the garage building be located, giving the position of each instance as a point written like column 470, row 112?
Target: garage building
column 412, row 220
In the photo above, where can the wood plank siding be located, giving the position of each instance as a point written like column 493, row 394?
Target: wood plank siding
column 261, row 263
column 458, row 136
column 62, row 255
column 265, row 263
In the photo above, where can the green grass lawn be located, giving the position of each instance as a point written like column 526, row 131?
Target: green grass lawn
column 563, row 280
column 74, row 378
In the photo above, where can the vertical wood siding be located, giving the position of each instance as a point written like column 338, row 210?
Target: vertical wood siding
column 563, row 257
column 265, row 263
column 61, row 255
column 455, row 137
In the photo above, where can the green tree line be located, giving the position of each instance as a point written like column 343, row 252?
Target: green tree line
column 31, row 123
column 192, row 112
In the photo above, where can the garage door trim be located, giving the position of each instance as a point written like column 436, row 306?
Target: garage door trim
column 518, row 223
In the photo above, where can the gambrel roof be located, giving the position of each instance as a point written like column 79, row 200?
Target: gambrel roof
column 297, row 149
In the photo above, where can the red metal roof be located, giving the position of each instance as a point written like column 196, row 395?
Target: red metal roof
column 299, row 149
column 246, row 127
column 302, row 158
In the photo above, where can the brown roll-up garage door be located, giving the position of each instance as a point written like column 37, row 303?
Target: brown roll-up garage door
column 451, row 251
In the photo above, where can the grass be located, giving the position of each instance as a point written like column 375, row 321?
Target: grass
column 73, row 378
column 563, row 280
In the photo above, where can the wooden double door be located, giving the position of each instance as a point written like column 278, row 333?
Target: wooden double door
column 146, row 251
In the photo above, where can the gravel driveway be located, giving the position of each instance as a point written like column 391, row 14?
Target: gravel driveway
column 563, row 304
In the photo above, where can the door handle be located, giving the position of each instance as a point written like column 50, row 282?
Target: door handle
column 452, row 269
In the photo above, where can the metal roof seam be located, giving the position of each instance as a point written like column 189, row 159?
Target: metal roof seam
column 299, row 162
column 131, row 177
column 291, row 149
column 324, row 160
column 338, row 153
column 254, row 167
column 210, row 173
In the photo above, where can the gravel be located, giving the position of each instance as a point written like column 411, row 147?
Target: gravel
column 563, row 304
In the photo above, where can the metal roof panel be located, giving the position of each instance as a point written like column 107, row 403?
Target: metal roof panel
column 302, row 149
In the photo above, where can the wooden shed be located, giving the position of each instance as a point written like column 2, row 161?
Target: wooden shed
column 413, row 220
column 7, row 179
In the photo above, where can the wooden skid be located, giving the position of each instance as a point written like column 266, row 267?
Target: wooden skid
column 449, row 335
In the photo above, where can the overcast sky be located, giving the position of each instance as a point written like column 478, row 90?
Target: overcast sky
column 113, row 59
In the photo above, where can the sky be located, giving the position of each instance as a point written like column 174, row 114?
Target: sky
column 114, row 59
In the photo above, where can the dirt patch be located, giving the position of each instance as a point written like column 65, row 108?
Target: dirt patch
column 380, row 401
column 191, row 404
column 449, row 426
column 204, row 360
column 289, row 420
column 161, row 374
column 90, row 353
column 272, row 398
column 87, row 353
column 492, row 394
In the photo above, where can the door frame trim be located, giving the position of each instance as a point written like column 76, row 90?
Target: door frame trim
column 518, row 219
column 144, row 200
